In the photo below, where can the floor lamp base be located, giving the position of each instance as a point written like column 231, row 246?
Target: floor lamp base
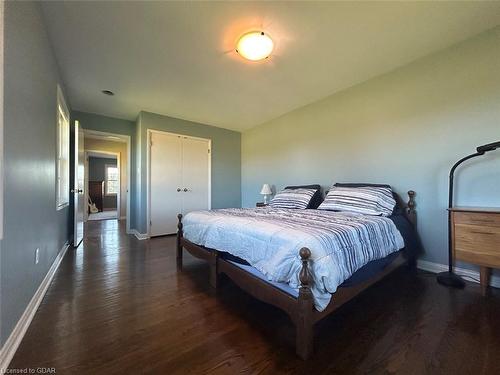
column 450, row 279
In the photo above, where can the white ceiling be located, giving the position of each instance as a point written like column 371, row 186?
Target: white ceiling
column 177, row 58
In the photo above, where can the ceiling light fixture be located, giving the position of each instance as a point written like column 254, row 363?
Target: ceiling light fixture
column 108, row 92
column 255, row 46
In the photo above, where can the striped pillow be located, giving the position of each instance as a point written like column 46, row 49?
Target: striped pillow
column 293, row 198
column 368, row 200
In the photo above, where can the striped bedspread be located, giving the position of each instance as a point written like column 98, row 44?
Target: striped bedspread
column 270, row 239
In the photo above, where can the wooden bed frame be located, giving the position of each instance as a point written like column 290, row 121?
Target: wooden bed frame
column 301, row 309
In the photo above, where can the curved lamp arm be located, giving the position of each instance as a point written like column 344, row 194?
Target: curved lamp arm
column 452, row 174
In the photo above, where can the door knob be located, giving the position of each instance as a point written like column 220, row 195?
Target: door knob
column 185, row 189
column 178, row 189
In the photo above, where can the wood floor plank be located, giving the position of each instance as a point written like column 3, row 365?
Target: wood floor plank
column 118, row 305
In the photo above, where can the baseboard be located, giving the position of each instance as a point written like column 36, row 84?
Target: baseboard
column 469, row 275
column 9, row 348
column 139, row 236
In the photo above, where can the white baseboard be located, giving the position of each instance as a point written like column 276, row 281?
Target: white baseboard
column 469, row 275
column 139, row 236
column 9, row 348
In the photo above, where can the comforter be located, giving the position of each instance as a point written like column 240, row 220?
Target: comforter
column 269, row 239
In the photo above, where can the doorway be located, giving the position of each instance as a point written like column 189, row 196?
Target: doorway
column 107, row 177
column 103, row 185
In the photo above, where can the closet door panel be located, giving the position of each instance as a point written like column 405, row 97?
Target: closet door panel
column 195, row 174
column 166, row 178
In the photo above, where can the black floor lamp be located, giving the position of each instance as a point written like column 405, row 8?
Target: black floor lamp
column 449, row 278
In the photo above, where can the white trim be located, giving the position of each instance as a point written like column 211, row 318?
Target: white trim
column 62, row 107
column 17, row 334
column 139, row 236
column 148, row 171
column 76, row 187
column 122, row 138
column 469, row 275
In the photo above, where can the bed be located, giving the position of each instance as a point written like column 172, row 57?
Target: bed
column 266, row 252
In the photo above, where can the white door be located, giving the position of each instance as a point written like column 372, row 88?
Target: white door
column 78, row 194
column 165, row 183
column 195, row 174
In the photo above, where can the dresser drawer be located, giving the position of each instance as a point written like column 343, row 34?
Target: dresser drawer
column 477, row 244
column 477, row 218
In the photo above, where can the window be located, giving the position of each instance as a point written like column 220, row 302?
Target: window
column 112, row 180
column 62, row 167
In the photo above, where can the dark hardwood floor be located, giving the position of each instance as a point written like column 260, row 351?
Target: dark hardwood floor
column 117, row 305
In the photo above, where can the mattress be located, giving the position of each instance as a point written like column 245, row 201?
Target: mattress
column 269, row 240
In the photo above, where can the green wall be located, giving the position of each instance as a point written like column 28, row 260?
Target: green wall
column 405, row 128
column 226, row 159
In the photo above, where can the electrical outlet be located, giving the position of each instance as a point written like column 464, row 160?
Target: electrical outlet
column 37, row 255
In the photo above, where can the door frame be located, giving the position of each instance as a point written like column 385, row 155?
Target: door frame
column 118, row 196
column 76, row 186
column 121, row 138
column 149, row 135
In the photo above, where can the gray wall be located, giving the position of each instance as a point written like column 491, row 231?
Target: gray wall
column 405, row 128
column 31, row 218
column 226, row 159
column 97, row 172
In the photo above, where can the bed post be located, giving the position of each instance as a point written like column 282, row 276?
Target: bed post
column 214, row 274
column 304, row 323
column 411, row 214
column 179, row 246
column 410, row 210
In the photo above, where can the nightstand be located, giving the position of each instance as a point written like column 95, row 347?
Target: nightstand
column 261, row 204
column 475, row 235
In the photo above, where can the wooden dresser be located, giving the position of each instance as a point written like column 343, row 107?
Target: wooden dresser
column 476, row 238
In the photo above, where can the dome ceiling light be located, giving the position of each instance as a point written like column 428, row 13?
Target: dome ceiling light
column 255, row 46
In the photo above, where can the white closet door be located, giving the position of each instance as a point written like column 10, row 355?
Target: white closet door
column 195, row 174
column 166, row 179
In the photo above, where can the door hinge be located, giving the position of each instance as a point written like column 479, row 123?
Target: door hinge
column 150, row 223
column 209, row 151
column 151, row 142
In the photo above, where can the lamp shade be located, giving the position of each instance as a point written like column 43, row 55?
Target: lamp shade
column 266, row 190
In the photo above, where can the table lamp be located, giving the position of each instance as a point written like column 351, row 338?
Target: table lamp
column 265, row 191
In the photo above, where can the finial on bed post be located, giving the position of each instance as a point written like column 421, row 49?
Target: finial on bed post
column 304, row 324
column 304, row 275
column 410, row 211
column 179, row 245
